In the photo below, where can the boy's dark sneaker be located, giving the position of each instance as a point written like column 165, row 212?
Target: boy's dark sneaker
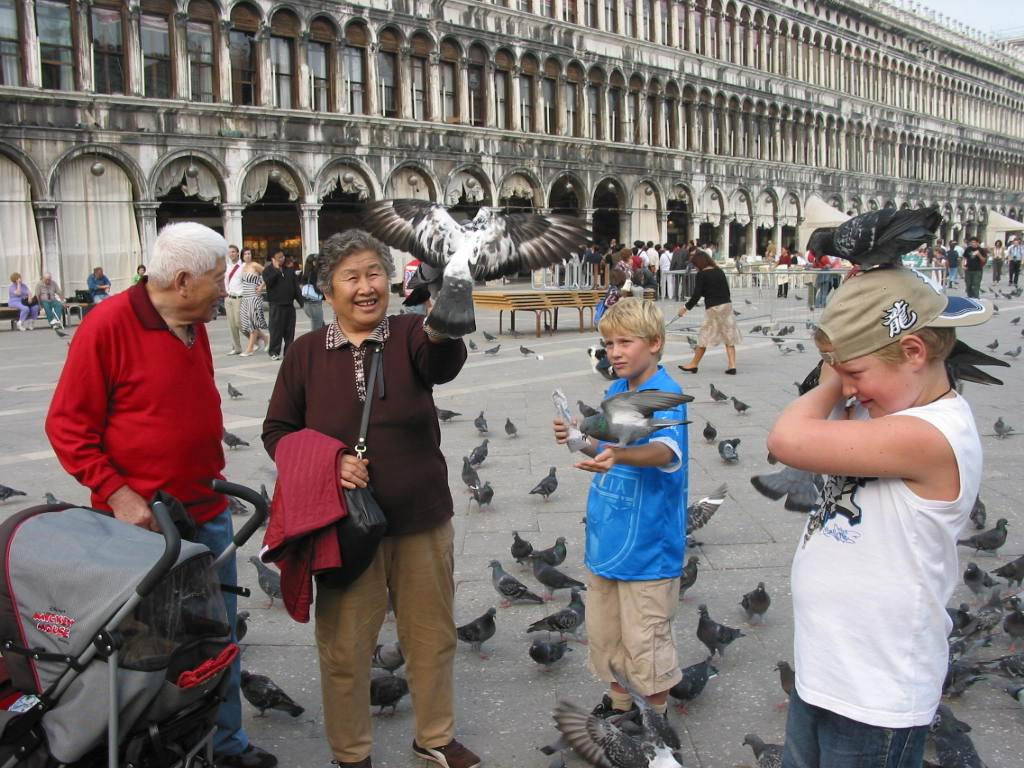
column 364, row 763
column 451, row 755
column 605, row 708
column 251, row 757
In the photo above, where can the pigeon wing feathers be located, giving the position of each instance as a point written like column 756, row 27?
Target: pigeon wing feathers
column 799, row 488
column 643, row 403
column 592, row 737
column 424, row 229
column 510, row 243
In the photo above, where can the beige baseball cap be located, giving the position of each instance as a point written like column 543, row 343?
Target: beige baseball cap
column 880, row 306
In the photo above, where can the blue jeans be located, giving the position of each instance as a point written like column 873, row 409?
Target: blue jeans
column 817, row 737
column 823, row 284
column 230, row 738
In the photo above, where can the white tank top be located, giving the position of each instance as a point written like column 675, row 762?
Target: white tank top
column 872, row 574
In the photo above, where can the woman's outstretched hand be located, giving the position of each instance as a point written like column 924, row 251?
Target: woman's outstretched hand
column 353, row 473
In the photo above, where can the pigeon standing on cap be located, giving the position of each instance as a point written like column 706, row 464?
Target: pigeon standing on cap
column 480, row 423
column 718, row 395
column 878, row 237
column 628, row 416
column 263, row 693
column 547, row 486
column 552, row 578
column 716, row 637
column 695, row 678
column 688, row 576
column 756, row 603
column 521, row 548
column 493, row 244
column 510, row 588
column 510, row 428
column 727, row 450
column 989, row 541
column 478, row 631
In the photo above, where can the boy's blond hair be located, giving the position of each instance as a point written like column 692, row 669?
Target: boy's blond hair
column 937, row 341
column 634, row 317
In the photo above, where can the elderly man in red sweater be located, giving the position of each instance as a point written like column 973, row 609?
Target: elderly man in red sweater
column 137, row 411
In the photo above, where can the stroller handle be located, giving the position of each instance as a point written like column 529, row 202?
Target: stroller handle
column 172, row 548
column 253, row 497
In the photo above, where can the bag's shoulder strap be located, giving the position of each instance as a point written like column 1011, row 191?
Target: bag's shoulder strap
column 375, row 350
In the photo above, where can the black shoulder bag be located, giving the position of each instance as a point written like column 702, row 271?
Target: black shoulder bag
column 359, row 532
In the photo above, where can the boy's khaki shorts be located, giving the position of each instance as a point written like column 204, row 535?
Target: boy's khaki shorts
column 629, row 625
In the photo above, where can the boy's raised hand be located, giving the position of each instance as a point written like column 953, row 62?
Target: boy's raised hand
column 601, row 463
column 561, row 431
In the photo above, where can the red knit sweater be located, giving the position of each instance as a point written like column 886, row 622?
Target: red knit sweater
column 135, row 406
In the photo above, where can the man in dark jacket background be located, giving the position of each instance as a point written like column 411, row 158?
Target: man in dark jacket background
column 282, row 290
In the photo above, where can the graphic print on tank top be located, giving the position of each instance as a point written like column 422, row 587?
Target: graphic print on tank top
column 838, row 497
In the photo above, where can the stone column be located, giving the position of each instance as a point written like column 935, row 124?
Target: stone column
column 310, row 229
column 640, row 129
column 625, row 228
column 405, row 83
column 265, row 96
column 231, row 213
column 462, row 70
column 304, row 90
column 620, row 17
column 223, row 54
column 489, row 106
column 49, row 242
column 515, row 95
column 434, row 87
column 83, row 51
column 600, row 22
column 692, row 228
column 561, row 129
column 30, row 47
column 723, row 238
column 777, row 235
column 691, row 40
column 179, row 57
column 673, row 24
column 663, row 226
column 135, row 84
column 146, row 213
column 372, row 92
column 604, row 113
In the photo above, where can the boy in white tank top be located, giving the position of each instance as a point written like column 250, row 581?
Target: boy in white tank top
column 877, row 561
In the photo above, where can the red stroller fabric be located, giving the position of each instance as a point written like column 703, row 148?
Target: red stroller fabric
column 190, row 678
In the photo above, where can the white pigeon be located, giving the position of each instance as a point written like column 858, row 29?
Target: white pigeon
column 491, row 245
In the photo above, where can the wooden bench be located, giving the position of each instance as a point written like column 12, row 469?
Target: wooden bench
column 516, row 301
column 8, row 313
column 578, row 300
column 70, row 308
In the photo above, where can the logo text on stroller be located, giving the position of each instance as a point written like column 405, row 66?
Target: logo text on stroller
column 56, row 624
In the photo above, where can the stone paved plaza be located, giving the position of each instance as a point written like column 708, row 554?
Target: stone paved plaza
column 504, row 703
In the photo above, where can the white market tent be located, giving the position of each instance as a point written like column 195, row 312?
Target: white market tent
column 818, row 213
column 998, row 226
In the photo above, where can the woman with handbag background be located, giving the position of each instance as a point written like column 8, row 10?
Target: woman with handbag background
column 322, row 386
column 314, row 299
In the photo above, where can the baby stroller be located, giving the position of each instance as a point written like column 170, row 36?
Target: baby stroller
column 114, row 639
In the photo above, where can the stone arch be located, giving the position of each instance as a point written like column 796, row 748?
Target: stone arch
column 332, row 176
column 140, row 189
column 570, row 180
column 410, row 186
column 38, row 185
column 215, row 167
column 460, row 186
column 657, row 192
column 301, row 188
column 712, row 205
column 521, row 183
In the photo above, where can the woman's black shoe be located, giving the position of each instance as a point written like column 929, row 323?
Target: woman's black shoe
column 687, row 370
column 731, row 371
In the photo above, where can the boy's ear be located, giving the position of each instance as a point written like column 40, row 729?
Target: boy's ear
column 915, row 351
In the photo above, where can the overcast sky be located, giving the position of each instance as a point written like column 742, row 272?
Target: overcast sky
column 987, row 15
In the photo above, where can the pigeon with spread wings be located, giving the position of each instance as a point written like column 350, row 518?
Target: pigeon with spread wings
column 628, row 416
column 491, row 245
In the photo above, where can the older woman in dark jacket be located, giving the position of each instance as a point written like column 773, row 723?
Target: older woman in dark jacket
column 322, row 386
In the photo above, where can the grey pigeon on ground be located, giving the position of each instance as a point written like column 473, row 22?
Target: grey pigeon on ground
column 233, row 441
column 727, row 450
column 269, row 580
column 961, row 618
column 988, row 541
column 483, row 495
column 492, row 350
column 552, row 578
column 756, row 603
column 388, row 656
column 767, row 755
column 444, row 415
column 521, row 548
column 472, row 345
column 488, row 336
column 553, row 555
column 566, row 621
column 237, row 507
column 386, row 690
column 800, row 488
column 1013, row 353
column 718, row 395
column 716, row 637
column 232, row 392
column 1015, row 692
column 263, row 693
column 510, row 588
column 527, row 352
column 695, row 678
column 787, row 679
column 710, row 433
column 241, row 625
column 978, row 514
column 994, row 345
column 688, row 576
column 953, row 747
column 1001, row 428
column 1012, row 571
column 479, row 454
column 546, row 653
column 510, row 428
column 480, row 423
column 739, row 405
column 547, row 486
column 628, row 416
column 586, row 411
column 478, row 631
column 62, row 335
column 978, row 580
column 7, row 492
column 469, row 475
column 700, row 512
column 1008, row 666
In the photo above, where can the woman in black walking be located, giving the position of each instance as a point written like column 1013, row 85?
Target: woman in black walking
column 719, row 326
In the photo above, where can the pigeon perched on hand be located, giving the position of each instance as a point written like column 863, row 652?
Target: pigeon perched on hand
column 547, row 653
column 756, row 603
column 800, row 488
column 688, row 576
column 521, row 548
column 263, row 693
column 553, row 555
column 766, row 755
column 710, row 433
column 233, row 441
column 510, row 588
column 386, row 690
column 552, row 578
column 478, row 454
column 269, row 580
column 716, row 637
column 718, row 395
column 478, row 632
column 727, row 450
column 586, row 411
column 444, row 415
column 389, row 657
column 878, row 237
column 988, row 541
column 547, row 486
column 232, row 392
column 480, row 423
column 695, row 679
column 7, row 492
column 483, row 495
column 627, row 416
column 510, row 428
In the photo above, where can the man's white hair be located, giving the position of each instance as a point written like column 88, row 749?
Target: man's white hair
column 184, row 247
